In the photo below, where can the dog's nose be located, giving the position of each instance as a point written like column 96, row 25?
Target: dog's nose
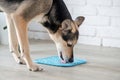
column 71, row 60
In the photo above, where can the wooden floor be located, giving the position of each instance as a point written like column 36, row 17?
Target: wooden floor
column 102, row 64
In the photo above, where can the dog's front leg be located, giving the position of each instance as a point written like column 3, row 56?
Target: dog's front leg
column 21, row 30
column 13, row 42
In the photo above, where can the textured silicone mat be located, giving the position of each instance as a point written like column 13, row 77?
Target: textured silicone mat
column 55, row 61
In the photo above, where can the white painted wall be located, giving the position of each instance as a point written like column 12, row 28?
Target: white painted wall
column 3, row 33
column 101, row 26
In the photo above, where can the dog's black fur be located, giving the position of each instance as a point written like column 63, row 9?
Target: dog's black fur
column 14, row 1
column 57, row 14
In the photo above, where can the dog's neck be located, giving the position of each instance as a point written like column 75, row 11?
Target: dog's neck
column 57, row 14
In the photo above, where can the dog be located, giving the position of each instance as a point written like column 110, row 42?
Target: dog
column 53, row 15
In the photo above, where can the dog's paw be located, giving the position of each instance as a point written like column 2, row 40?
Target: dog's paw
column 35, row 68
column 18, row 58
column 21, row 61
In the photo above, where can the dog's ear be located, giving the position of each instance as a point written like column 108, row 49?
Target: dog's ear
column 66, row 25
column 79, row 20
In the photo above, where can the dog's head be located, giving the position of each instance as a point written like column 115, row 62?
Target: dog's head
column 66, row 37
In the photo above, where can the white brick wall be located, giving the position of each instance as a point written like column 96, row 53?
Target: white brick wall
column 101, row 26
column 116, row 2
column 99, row 2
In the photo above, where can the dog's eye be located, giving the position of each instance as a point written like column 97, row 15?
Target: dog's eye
column 67, row 31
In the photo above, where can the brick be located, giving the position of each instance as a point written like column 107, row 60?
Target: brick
column 97, row 20
column 108, row 32
column 38, row 35
column 31, row 35
column 87, row 31
column 99, row 2
column 3, row 33
column 4, row 37
column 89, row 40
column 75, row 2
column 2, row 20
column 110, row 42
column 115, row 21
column 36, row 26
column 109, row 11
column 116, row 2
column 84, row 10
column 71, row 5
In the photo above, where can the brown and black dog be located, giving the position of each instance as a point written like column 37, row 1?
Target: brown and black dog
column 53, row 15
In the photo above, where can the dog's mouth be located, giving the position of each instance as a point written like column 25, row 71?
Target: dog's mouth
column 65, row 60
column 62, row 59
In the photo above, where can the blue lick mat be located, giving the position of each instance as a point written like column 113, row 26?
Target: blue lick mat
column 55, row 61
